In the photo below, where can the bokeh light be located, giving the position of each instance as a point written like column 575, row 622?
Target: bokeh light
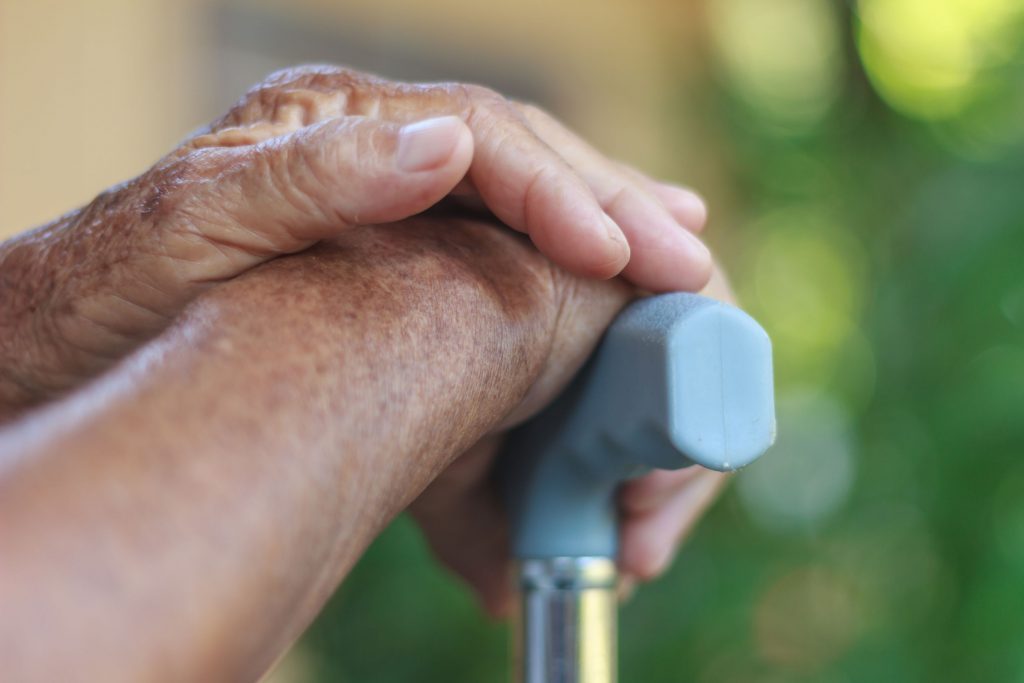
column 928, row 58
column 891, row 557
column 812, row 468
column 781, row 57
column 1007, row 523
column 807, row 618
column 808, row 287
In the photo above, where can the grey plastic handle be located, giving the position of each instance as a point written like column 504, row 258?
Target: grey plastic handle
column 678, row 379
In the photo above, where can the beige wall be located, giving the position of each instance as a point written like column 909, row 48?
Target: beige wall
column 90, row 92
column 93, row 92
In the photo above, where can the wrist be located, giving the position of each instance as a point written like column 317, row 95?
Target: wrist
column 293, row 410
column 461, row 312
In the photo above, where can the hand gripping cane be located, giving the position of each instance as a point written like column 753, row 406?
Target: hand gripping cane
column 678, row 380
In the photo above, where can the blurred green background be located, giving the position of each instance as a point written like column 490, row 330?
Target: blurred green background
column 865, row 168
column 877, row 230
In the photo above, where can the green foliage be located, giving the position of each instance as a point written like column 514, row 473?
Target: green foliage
column 883, row 540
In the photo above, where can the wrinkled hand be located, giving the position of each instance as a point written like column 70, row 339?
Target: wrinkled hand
column 306, row 156
column 302, row 157
column 462, row 515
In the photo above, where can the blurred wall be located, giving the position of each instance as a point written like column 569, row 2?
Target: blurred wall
column 92, row 93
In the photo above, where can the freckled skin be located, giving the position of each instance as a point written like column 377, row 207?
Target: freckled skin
column 185, row 515
column 304, row 156
column 84, row 290
column 296, row 409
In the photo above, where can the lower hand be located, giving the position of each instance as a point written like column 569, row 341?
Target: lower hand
column 464, row 520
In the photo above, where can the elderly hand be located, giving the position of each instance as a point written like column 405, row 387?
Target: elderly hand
column 463, row 517
column 186, row 516
column 302, row 157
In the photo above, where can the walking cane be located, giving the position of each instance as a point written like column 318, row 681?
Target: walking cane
column 678, row 379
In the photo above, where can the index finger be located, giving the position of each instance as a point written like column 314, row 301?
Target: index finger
column 522, row 181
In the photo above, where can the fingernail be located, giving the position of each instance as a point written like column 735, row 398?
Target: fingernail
column 618, row 238
column 613, row 230
column 698, row 249
column 694, row 207
column 427, row 144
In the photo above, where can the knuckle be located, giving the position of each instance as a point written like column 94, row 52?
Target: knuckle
column 532, row 112
column 619, row 197
column 286, row 89
column 486, row 103
column 481, row 93
column 303, row 76
column 497, row 119
column 331, row 79
column 373, row 143
column 498, row 115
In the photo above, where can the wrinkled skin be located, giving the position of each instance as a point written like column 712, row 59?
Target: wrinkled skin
column 185, row 517
column 464, row 520
column 311, row 155
column 305, row 156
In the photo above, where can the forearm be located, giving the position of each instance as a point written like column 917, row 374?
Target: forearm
column 226, row 477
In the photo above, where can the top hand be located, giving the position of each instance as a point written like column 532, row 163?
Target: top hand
column 304, row 156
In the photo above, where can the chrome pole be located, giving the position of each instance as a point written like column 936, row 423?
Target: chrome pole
column 568, row 621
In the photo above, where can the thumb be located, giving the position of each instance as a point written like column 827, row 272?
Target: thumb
column 282, row 195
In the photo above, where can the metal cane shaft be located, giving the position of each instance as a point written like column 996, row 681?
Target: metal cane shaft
column 568, row 630
column 678, row 380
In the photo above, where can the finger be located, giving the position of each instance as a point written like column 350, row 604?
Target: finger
column 643, row 495
column 665, row 256
column 282, row 195
column 718, row 287
column 301, row 95
column 649, row 541
column 530, row 188
column 472, row 542
column 686, row 206
column 521, row 180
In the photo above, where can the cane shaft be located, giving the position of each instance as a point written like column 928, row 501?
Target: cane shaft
column 568, row 631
